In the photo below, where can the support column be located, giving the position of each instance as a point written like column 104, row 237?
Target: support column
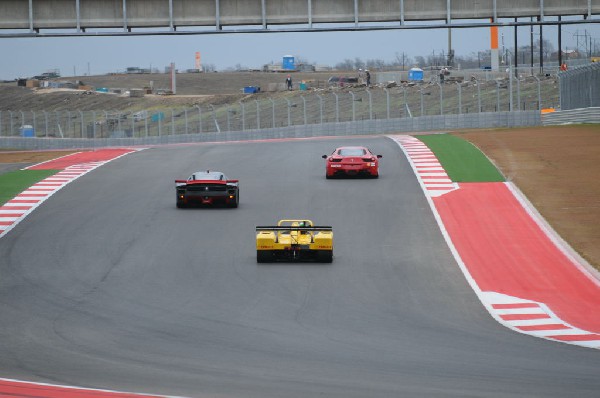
column 495, row 61
column 560, row 61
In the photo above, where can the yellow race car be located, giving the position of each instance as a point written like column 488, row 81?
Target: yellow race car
column 294, row 240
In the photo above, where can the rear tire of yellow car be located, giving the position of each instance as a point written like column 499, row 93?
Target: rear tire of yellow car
column 325, row 256
column 264, row 256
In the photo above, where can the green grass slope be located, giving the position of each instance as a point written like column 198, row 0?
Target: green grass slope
column 15, row 182
column 462, row 160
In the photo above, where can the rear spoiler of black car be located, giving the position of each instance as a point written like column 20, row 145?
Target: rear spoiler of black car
column 218, row 182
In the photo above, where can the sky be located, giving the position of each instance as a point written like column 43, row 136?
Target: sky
column 79, row 56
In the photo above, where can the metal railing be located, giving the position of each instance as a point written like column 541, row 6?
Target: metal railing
column 580, row 87
column 295, row 108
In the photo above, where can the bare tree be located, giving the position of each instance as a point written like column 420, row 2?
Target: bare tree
column 347, row 64
column 358, row 63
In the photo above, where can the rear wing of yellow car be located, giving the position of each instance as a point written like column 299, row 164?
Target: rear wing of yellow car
column 292, row 228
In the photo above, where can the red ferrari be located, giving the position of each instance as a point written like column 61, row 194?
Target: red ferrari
column 352, row 161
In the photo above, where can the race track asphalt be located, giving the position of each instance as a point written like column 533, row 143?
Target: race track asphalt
column 108, row 285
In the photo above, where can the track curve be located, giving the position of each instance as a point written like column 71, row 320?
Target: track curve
column 108, row 285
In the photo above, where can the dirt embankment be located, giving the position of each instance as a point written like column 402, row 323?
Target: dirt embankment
column 192, row 88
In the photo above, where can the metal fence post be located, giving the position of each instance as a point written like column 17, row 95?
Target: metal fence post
column 81, row 121
column 35, row 124
column 215, row 118
column 405, row 99
column 199, row 118
column 272, row 111
column 146, row 124
column 304, row 102
column 186, row 120
column 459, row 88
column 337, row 108
column 370, row 105
column 441, row 99
column 422, row 106
column 478, row 96
column 243, row 108
column 321, row 106
column 229, row 112
column 387, row 99
column 539, row 90
column 10, row 123
column 22, row 118
column 289, row 111
column 94, row 123
column 497, row 96
column 45, row 119
column 257, row 115
column 510, row 86
column 519, row 94
column 70, row 123
column 353, row 105
column 160, row 117
column 172, row 121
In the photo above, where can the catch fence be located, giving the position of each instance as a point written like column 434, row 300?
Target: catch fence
column 580, row 87
column 292, row 108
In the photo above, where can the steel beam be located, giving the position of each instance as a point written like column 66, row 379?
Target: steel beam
column 31, row 15
column 217, row 15
column 125, row 15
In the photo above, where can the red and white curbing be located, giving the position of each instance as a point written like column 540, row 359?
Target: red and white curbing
column 431, row 174
column 28, row 389
column 16, row 209
column 536, row 319
column 521, row 315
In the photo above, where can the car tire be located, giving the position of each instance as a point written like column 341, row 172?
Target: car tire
column 180, row 205
column 237, row 201
column 327, row 176
column 325, row 256
column 264, row 256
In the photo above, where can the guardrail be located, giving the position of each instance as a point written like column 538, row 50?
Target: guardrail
column 571, row 116
column 346, row 128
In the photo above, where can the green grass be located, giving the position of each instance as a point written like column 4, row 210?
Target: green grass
column 462, row 160
column 15, row 182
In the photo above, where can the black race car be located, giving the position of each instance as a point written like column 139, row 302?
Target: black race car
column 207, row 188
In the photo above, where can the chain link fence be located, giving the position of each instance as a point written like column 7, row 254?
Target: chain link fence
column 580, row 87
column 293, row 108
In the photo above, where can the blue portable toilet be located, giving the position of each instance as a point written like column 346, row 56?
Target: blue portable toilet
column 289, row 62
column 27, row 131
column 415, row 74
column 251, row 90
column 157, row 116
